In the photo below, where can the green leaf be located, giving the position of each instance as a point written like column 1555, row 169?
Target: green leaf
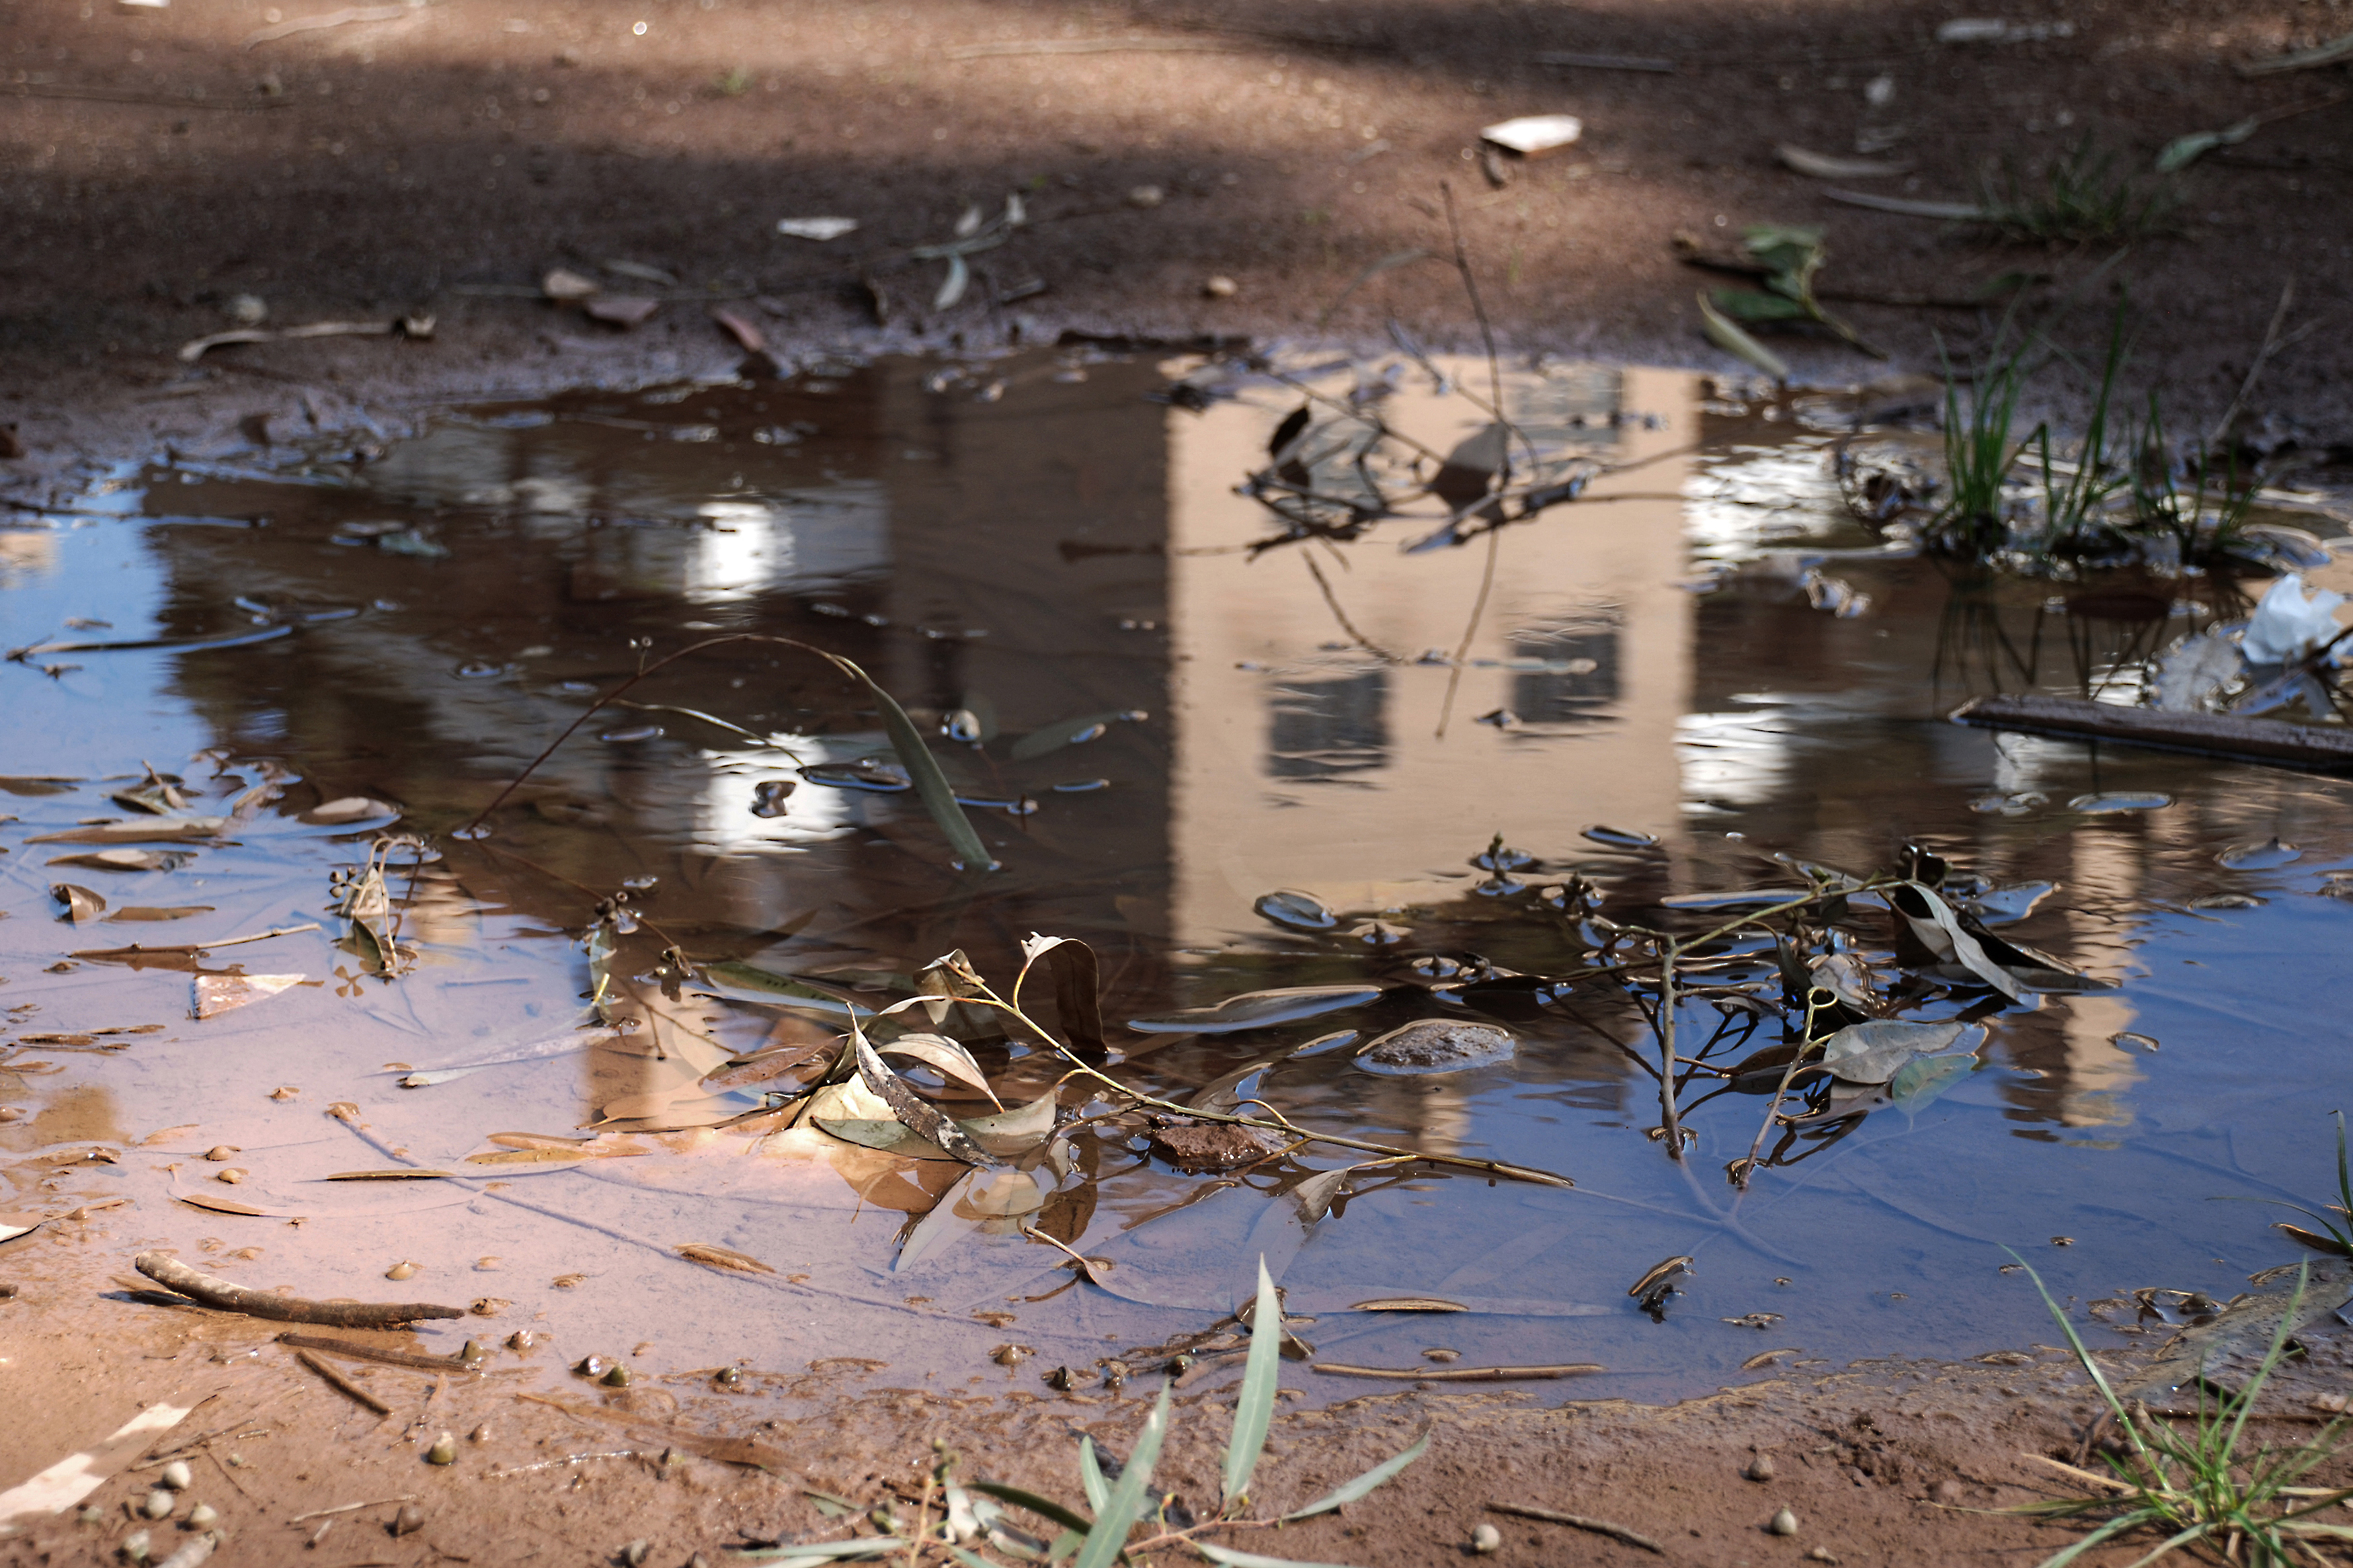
column 1044, row 1507
column 1233, row 1559
column 1121, row 1510
column 1362, row 1484
column 924, row 771
column 970, row 1559
column 1050, row 738
column 1748, row 305
column 1091, row 1475
column 1255, row 1409
column 1726, row 334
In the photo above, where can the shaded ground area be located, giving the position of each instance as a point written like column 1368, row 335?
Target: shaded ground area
column 439, row 157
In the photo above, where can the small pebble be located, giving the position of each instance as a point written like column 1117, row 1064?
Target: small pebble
column 220, row 1153
column 204, row 1516
column 408, row 1521
column 233, row 1176
column 403, row 1269
column 177, row 1476
column 636, row 1553
column 1761, row 1469
column 1947, row 1492
column 1222, row 288
column 1486, row 1539
column 134, row 1547
column 1821, row 1554
column 158, row 1504
column 92, row 1516
column 1440, row 1354
column 1146, row 196
column 486, row 1264
column 444, row 1452
column 247, row 310
column 1784, row 1523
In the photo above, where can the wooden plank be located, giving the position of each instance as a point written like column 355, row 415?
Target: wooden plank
column 2314, row 746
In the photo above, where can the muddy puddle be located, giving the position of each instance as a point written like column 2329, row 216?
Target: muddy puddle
column 1444, row 773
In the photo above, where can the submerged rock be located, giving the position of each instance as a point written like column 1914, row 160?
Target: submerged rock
column 1437, row 1045
column 1210, row 1145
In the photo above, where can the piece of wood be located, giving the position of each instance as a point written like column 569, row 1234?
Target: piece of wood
column 371, row 1352
column 2314, row 746
column 343, row 1384
column 1578, row 1521
column 222, row 1296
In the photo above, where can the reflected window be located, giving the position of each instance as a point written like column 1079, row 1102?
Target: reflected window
column 1327, row 729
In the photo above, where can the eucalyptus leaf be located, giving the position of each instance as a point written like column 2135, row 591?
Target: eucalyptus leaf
column 1254, row 1409
column 887, row 1137
column 1258, row 1010
column 916, row 1114
column 1108, row 1538
column 741, row 982
column 931, row 784
column 953, row 286
column 1873, row 1052
column 1726, row 334
column 1229, row 1558
column 1922, row 1079
column 1016, row 1131
column 1363, row 1484
column 948, row 1055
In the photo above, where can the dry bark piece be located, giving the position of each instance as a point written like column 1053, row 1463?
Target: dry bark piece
column 370, row 1352
column 1210, row 1145
column 224, row 1296
column 722, row 1258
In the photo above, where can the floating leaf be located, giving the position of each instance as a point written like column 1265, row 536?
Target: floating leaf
column 80, row 903
column 141, row 830
column 159, row 913
column 1259, row 1010
column 1062, row 732
column 128, row 859
column 1300, row 911
column 351, row 808
column 230, row 1206
column 725, row 1257
column 1940, row 931
column 1873, row 1052
column 1922, row 1079
column 1078, row 984
column 218, row 994
column 763, row 1066
column 399, row 1173
column 2112, row 801
column 1620, row 838
column 1408, row 1304
column 886, row 1135
column 1016, row 1131
column 748, row 981
column 915, row 1112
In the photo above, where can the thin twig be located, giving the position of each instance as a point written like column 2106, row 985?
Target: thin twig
column 1469, row 631
column 1578, row 1521
column 202, row 946
column 349, row 1508
column 343, row 1384
column 1668, row 1123
column 1772, row 1111
column 1340, row 616
column 2272, row 345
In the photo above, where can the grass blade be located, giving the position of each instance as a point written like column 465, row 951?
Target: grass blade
column 1255, row 1409
column 1231, row 1558
column 1044, row 1507
column 932, row 785
column 1121, row 1510
column 1091, row 1475
column 826, row 1551
column 1362, row 1484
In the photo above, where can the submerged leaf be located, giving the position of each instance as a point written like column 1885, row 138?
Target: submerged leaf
column 218, row 994
column 1873, row 1051
column 1258, row 1010
column 1300, row 911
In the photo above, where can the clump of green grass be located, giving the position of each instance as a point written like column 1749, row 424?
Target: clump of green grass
column 2204, row 1488
column 1119, row 1497
column 2085, row 196
column 1981, row 451
column 2200, row 513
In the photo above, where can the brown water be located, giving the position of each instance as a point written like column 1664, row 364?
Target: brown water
column 1041, row 545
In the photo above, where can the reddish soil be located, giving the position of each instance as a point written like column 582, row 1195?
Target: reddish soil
column 441, row 160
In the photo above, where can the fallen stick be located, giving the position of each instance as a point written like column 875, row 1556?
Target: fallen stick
column 224, row 1296
column 2324, row 747
column 349, row 1508
column 369, row 1352
column 1578, row 1521
column 343, row 1384
column 1458, row 1373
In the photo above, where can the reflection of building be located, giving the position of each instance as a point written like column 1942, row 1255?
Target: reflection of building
column 1284, row 719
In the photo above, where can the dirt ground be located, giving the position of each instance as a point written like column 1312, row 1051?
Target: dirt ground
column 437, row 159
column 1885, row 1462
column 158, row 161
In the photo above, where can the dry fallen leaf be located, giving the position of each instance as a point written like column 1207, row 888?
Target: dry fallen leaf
column 722, row 1258
column 218, row 994
column 741, row 328
column 622, row 309
column 80, row 903
column 351, row 808
column 817, row 228
column 560, row 285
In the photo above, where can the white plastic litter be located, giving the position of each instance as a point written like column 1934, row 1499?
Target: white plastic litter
column 2287, row 624
column 818, row 228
